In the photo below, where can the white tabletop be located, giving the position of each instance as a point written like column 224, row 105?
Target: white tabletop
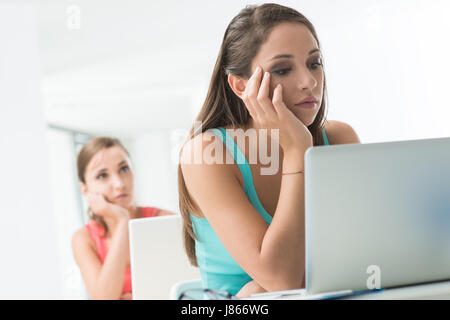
column 436, row 290
column 439, row 290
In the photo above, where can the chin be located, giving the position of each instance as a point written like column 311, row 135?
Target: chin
column 124, row 203
column 310, row 122
column 307, row 121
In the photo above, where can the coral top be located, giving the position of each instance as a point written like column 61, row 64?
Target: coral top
column 97, row 232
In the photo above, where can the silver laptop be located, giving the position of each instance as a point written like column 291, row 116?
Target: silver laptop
column 157, row 257
column 377, row 212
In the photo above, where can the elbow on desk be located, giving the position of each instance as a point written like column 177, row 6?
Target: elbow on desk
column 279, row 279
column 284, row 282
column 277, row 275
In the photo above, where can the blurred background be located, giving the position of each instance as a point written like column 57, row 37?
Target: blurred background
column 139, row 71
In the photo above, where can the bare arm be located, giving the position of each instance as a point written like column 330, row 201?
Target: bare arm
column 103, row 281
column 250, row 288
column 338, row 133
column 272, row 255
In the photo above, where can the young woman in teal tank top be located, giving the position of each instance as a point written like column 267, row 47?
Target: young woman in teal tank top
column 218, row 269
column 268, row 76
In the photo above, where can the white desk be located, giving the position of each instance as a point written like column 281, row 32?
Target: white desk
column 438, row 290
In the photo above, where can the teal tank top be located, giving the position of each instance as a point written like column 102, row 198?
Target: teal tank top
column 218, row 269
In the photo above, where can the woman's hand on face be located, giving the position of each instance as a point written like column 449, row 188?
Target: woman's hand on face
column 100, row 206
column 274, row 114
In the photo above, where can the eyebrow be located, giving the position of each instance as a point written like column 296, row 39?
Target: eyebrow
column 104, row 169
column 100, row 171
column 290, row 56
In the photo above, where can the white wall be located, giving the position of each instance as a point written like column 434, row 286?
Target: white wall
column 383, row 63
column 67, row 209
column 30, row 267
column 386, row 65
column 155, row 173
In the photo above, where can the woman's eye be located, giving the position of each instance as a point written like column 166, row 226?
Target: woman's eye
column 316, row 64
column 125, row 169
column 101, row 176
column 282, row 72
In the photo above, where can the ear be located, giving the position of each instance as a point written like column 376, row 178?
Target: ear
column 237, row 84
column 83, row 188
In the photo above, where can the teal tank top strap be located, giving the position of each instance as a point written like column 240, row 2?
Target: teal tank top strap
column 325, row 138
column 244, row 167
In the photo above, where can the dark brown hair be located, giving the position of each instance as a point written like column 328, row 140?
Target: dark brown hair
column 85, row 155
column 222, row 107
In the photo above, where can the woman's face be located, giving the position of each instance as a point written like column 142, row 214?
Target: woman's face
column 109, row 174
column 292, row 57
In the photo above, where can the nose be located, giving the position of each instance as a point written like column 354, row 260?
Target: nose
column 117, row 182
column 306, row 80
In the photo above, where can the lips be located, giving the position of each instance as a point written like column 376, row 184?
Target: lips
column 308, row 103
column 122, row 196
column 309, row 99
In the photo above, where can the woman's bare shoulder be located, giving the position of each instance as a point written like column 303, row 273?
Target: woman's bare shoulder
column 82, row 238
column 339, row 132
column 162, row 212
column 201, row 148
column 204, row 164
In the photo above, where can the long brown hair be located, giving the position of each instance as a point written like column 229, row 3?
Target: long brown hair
column 222, row 107
column 87, row 152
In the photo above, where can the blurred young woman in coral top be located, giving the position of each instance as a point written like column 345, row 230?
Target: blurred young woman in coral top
column 101, row 248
